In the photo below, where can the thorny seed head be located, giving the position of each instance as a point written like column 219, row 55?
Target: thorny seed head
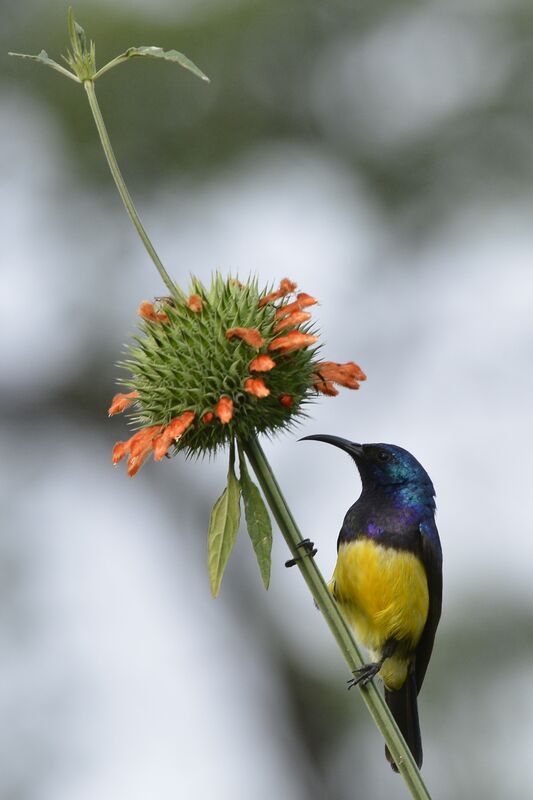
column 228, row 361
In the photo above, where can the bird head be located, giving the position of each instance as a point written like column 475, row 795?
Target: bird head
column 381, row 465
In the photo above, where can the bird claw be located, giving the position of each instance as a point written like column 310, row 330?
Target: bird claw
column 310, row 550
column 364, row 674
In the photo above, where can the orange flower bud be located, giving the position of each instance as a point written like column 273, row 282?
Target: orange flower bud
column 294, row 319
column 208, row 417
column 224, row 409
column 121, row 402
column 249, row 335
column 195, row 303
column 292, row 341
column 286, row 400
column 256, row 386
column 262, row 364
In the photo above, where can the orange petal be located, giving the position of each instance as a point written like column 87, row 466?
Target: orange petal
column 256, row 386
column 208, row 417
column 224, row 409
column 292, row 341
column 195, row 303
column 249, row 335
column 286, row 400
column 262, row 364
column 294, row 319
column 121, row 401
column 147, row 311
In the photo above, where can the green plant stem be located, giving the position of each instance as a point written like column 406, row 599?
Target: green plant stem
column 122, row 188
column 335, row 621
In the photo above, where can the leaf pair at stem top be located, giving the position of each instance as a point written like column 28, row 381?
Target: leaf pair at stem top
column 81, row 58
column 225, row 519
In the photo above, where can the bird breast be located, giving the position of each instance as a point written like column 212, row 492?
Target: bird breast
column 383, row 592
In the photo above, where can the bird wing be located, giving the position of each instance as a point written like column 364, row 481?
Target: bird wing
column 431, row 555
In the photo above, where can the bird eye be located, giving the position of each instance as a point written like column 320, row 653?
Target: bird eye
column 383, row 456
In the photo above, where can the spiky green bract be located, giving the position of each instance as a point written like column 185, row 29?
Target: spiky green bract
column 188, row 364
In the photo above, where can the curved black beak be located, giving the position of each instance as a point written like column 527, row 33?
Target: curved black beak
column 352, row 448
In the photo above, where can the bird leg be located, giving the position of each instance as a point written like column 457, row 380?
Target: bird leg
column 364, row 674
column 310, row 550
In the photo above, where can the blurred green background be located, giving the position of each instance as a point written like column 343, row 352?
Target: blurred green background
column 380, row 154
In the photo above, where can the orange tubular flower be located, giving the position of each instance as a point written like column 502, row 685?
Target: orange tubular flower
column 294, row 319
column 285, row 287
column 292, row 341
column 208, row 417
column 138, row 448
column 302, row 301
column 224, row 409
column 348, row 375
column 286, row 400
column 305, row 300
column 173, row 431
column 195, row 303
column 262, row 364
column 147, row 311
column 121, row 402
column 249, row 335
column 256, row 386
column 120, row 450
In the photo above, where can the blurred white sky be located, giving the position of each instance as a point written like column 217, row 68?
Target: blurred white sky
column 132, row 653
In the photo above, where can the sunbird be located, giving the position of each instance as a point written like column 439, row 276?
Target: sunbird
column 388, row 576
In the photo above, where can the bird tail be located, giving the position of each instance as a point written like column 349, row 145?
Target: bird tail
column 404, row 709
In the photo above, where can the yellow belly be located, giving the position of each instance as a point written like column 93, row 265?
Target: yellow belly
column 383, row 593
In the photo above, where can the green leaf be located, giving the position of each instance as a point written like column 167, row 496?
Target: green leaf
column 223, row 527
column 257, row 521
column 42, row 58
column 154, row 52
column 78, row 39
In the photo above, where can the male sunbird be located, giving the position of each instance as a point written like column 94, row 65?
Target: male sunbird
column 388, row 576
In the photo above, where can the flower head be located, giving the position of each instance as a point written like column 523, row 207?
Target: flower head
column 223, row 362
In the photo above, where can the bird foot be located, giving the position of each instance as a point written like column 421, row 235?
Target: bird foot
column 364, row 674
column 309, row 550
